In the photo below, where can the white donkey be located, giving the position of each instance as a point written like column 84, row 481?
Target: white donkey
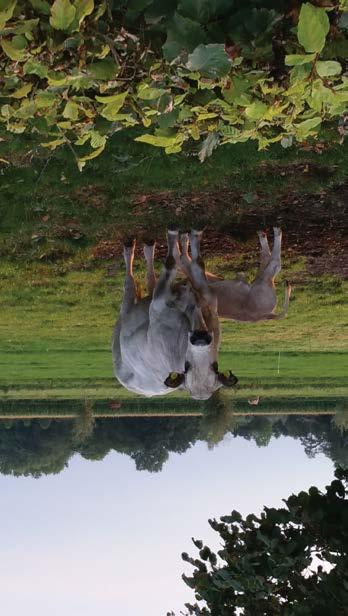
column 171, row 338
column 238, row 300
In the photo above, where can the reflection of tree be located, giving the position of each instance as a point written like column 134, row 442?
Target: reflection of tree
column 265, row 566
column 217, row 419
column 341, row 417
column 35, row 449
column 45, row 446
column 147, row 441
column 317, row 434
column 84, row 423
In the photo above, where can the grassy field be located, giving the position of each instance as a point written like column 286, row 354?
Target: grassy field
column 58, row 327
column 58, row 304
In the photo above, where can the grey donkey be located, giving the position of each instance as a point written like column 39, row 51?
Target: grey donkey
column 169, row 339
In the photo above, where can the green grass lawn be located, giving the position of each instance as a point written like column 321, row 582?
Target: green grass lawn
column 55, row 332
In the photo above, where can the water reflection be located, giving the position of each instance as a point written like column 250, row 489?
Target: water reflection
column 43, row 446
column 170, row 339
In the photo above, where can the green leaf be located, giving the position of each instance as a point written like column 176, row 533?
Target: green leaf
column 34, row 67
column 182, row 35
column 110, row 111
column 206, row 116
column 62, row 14
column 97, row 140
column 305, row 129
column 17, row 128
column 7, row 12
column 210, row 60
column 168, row 120
column 256, row 111
column 7, row 111
column 113, row 98
column 83, row 8
column 173, row 149
column 82, row 161
column 19, row 41
column 71, row 111
column 299, row 73
column 14, row 54
column 57, row 79
column 200, row 10
column 41, row 6
column 328, row 68
column 149, row 94
column 44, row 99
column 298, row 59
column 26, row 110
column 23, row 91
column 313, row 27
column 52, row 145
column 159, row 142
column 23, row 27
column 238, row 87
column 103, row 70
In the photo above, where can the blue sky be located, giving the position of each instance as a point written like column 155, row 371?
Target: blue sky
column 104, row 539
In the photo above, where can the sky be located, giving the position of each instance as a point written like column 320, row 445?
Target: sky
column 102, row 538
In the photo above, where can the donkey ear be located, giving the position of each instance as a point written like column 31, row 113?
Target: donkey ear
column 227, row 379
column 174, row 379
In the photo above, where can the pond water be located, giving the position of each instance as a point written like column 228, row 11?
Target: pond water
column 95, row 522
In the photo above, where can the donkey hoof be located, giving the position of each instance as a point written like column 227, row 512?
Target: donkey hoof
column 148, row 242
column 173, row 229
column 197, row 230
column 129, row 242
column 262, row 234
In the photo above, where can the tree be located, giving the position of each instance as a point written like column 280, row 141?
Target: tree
column 289, row 561
column 75, row 72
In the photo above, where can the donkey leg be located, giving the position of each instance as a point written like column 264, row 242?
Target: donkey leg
column 130, row 293
column 274, row 266
column 185, row 259
column 195, row 244
column 196, row 268
column 205, row 297
column 265, row 252
column 262, row 297
column 168, row 274
column 149, row 254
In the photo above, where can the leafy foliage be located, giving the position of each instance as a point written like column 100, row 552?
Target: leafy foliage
column 291, row 560
column 75, row 72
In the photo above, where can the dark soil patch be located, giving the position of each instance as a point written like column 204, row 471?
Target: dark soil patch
column 315, row 225
column 308, row 167
column 93, row 197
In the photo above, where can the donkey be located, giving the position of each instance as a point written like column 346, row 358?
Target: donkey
column 236, row 299
column 169, row 339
